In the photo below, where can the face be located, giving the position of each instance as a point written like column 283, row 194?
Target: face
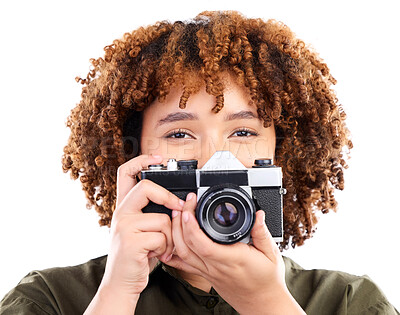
column 197, row 133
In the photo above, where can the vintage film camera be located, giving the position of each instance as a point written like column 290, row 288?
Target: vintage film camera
column 228, row 194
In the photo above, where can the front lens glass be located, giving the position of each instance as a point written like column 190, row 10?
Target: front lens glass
column 225, row 214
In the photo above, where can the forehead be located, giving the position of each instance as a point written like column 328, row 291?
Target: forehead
column 236, row 98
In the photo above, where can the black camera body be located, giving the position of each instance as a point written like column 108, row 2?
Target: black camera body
column 228, row 194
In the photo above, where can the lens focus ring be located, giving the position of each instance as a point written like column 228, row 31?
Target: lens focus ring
column 226, row 213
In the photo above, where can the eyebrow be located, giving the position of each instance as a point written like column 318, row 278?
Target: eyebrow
column 179, row 116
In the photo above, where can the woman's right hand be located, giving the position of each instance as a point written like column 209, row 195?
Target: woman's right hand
column 137, row 238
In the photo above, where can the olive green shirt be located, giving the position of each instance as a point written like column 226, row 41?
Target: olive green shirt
column 69, row 290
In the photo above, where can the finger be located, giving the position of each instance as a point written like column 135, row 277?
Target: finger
column 126, row 175
column 145, row 191
column 193, row 236
column 128, row 227
column 152, row 244
column 155, row 222
column 181, row 249
column 262, row 238
column 177, row 236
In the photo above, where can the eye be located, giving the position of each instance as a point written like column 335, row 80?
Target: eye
column 244, row 132
column 179, row 134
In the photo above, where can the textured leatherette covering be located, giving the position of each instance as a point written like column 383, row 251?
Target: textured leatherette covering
column 269, row 199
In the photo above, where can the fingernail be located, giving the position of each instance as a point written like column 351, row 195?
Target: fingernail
column 185, row 216
column 189, row 196
column 168, row 258
column 174, row 213
column 157, row 156
column 181, row 202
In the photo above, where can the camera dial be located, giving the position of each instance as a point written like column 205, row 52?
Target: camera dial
column 263, row 163
column 187, row 164
column 154, row 167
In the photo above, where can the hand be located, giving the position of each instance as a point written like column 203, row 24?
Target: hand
column 137, row 238
column 251, row 278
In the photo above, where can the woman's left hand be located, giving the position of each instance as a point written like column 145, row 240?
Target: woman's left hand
column 251, row 278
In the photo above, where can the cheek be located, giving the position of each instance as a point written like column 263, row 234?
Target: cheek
column 150, row 145
column 264, row 148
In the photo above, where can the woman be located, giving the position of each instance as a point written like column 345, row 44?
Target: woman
column 185, row 90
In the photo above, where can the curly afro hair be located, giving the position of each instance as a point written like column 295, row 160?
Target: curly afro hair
column 287, row 81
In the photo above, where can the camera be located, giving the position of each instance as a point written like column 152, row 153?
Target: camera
column 228, row 194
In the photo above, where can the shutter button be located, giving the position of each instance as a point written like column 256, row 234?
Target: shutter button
column 212, row 301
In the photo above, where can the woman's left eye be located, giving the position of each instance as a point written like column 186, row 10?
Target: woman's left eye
column 244, row 133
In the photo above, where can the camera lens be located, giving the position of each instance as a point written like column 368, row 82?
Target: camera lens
column 225, row 214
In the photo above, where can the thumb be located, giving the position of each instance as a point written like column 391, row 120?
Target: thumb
column 262, row 238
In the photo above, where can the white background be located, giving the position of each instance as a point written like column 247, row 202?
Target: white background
column 45, row 45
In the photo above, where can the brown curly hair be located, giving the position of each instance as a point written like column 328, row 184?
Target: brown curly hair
column 287, row 81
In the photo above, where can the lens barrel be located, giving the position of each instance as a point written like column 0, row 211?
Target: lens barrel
column 226, row 213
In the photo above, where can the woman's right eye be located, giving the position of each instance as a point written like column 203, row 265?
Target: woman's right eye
column 179, row 134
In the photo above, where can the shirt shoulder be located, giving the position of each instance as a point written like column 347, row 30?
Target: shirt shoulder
column 61, row 290
column 321, row 291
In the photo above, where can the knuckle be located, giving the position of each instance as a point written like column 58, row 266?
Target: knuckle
column 172, row 196
column 264, row 233
column 117, row 226
column 161, row 241
column 145, row 183
column 183, row 253
column 122, row 170
column 261, row 232
column 165, row 220
column 205, row 251
column 128, row 168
